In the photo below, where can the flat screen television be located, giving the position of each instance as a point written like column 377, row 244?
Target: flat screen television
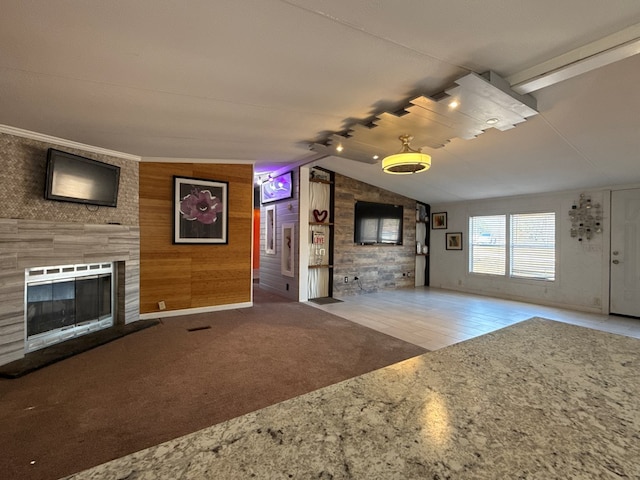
column 71, row 178
column 377, row 224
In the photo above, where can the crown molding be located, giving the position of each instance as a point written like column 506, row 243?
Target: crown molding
column 41, row 137
column 195, row 160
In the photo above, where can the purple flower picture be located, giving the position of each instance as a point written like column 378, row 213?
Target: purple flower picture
column 200, row 211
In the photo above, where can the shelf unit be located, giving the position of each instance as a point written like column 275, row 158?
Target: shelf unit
column 423, row 213
column 320, row 266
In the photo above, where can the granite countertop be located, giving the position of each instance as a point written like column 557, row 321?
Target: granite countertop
column 536, row 400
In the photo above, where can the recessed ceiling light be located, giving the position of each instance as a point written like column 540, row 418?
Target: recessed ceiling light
column 339, row 148
column 493, row 121
column 375, row 157
column 454, row 104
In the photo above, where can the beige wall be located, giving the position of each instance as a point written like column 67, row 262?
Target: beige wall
column 582, row 268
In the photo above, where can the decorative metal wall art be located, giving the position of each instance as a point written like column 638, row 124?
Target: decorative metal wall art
column 586, row 218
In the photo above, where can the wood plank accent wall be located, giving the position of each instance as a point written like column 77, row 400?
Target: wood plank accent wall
column 378, row 267
column 193, row 276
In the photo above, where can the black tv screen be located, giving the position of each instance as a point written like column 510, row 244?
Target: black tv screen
column 71, row 178
column 377, row 224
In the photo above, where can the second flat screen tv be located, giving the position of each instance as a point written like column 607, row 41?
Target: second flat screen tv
column 377, row 224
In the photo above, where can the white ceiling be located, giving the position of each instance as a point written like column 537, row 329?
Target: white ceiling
column 262, row 79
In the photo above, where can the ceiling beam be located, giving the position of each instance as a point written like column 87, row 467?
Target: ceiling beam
column 612, row 48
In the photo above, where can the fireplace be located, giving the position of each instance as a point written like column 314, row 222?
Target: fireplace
column 63, row 302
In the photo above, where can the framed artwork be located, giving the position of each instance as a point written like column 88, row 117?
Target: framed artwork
column 278, row 188
column 288, row 249
column 270, row 230
column 439, row 220
column 454, row 241
column 200, row 211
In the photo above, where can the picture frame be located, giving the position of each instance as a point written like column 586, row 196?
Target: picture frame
column 439, row 220
column 454, row 241
column 270, row 230
column 288, row 239
column 200, row 211
column 277, row 188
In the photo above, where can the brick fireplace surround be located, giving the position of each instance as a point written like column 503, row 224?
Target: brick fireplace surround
column 31, row 243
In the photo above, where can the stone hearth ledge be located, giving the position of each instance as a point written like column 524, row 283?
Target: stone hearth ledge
column 536, row 400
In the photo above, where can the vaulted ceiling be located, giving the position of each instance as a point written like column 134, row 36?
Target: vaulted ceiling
column 263, row 80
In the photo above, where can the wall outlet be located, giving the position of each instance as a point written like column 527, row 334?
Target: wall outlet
column 162, row 305
column 346, row 279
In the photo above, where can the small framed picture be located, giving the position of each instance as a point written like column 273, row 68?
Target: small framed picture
column 270, row 230
column 439, row 220
column 278, row 188
column 454, row 241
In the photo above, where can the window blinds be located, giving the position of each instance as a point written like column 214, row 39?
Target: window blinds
column 533, row 246
column 531, row 243
column 487, row 251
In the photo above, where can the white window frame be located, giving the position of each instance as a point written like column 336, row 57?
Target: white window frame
column 508, row 247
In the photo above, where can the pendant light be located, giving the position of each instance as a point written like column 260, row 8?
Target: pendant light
column 406, row 161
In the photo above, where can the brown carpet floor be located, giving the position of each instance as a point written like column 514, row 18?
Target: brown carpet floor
column 175, row 378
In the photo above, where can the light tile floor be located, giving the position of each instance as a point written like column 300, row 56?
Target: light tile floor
column 433, row 318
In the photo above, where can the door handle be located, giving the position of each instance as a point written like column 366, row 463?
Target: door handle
column 615, row 262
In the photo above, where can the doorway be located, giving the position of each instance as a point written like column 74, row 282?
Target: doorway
column 625, row 253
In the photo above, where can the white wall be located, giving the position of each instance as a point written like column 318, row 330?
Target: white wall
column 582, row 268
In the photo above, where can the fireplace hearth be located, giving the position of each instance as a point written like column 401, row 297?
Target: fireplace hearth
column 63, row 302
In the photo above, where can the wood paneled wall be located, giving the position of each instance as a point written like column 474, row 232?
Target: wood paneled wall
column 377, row 266
column 193, row 276
column 271, row 277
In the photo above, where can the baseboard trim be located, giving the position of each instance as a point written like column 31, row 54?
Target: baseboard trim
column 191, row 311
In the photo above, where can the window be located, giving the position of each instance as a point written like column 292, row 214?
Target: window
column 533, row 245
column 524, row 242
column 487, row 244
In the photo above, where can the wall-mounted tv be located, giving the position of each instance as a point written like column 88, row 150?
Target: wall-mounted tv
column 377, row 224
column 71, row 178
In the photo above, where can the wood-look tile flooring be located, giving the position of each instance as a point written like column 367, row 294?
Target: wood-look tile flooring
column 433, row 318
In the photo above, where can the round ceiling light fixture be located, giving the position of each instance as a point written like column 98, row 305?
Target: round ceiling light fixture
column 407, row 160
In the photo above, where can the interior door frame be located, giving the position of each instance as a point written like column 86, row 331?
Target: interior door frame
column 606, row 252
column 608, row 256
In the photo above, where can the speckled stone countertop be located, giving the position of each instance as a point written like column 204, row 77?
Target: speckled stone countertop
column 537, row 400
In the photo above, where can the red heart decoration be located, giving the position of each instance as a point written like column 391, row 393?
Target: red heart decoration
column 320, row 216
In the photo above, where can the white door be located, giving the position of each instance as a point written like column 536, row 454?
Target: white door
column 625, row 252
